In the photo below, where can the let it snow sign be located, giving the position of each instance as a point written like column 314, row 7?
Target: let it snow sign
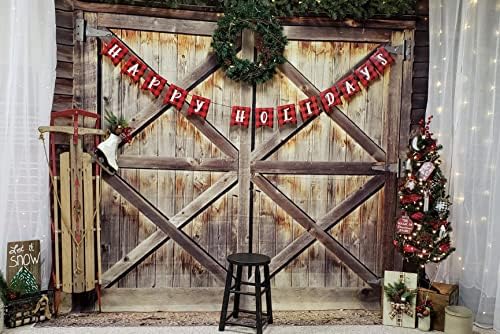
column 23, row 254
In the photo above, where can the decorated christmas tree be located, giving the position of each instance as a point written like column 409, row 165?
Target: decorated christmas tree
column 423, row 230
column 24, row 282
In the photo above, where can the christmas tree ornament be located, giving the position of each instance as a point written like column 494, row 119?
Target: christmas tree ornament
column 106, row 151
column 410, row 184
column 426, row 200
column 404, row 225
column 408, row 165
column 415, row 144
column 417, row 216
column 425, row 171
column 442, row 206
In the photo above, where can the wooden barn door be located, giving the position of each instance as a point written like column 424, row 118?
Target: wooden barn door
column 318, row 198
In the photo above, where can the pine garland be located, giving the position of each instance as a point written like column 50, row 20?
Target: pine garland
column 270, row 42
column 399, row 292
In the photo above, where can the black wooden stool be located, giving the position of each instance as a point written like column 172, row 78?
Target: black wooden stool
column 247, row 260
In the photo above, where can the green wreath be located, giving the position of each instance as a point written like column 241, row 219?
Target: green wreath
column 270, row 43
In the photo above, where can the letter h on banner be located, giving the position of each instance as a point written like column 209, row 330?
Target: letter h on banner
column 115, row 50
column 240, row 116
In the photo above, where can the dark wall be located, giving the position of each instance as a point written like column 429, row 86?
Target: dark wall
column 421, row 62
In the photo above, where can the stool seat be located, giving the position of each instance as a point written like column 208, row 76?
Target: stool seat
column 248, row 259
column 254, row 262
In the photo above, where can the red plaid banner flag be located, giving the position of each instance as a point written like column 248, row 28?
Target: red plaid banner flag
column 240, row 116
column 154, row 83
column 175, row 96
column 134, row 68
column 366, row 73
column 115, row 50
column 286, row 114
column 349, row 87
column 381, row 59
column 264, row 117
column 199, row 106
column 309, row 108
column 330, row 97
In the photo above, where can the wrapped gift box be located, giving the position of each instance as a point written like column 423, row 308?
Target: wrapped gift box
column 398, row 314
column 446, row 294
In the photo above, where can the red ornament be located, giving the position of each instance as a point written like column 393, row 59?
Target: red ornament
column 404, row 225
column 417, row 216
column 409, row 249
column 395, row 243
column 444, row 248
column 412, row 198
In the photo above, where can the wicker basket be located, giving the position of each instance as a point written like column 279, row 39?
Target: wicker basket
column 29, row 309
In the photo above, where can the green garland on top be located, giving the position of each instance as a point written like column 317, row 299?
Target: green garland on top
column 336, row 9
column 269, row 42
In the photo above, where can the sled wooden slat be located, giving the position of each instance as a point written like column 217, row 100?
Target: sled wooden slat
column 88, row 204
column 65, row 223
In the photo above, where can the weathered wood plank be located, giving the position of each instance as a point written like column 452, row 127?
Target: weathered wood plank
column 62, row 102
column 65, row 53
column 57, row 229
column 327, row 22
column 64, row 19
column 64, row 4
column 336, row 184
column 315, row 230
column 112, row 99
column 315, row 167
column 129, row 226
column 184, row 147
column 245, row 133
column 148, row 146
column 89, row 231
column 64, row 86
column 64, row 70
column 166, row 148
column 393, row 106
column 157, row 24
column 336, row 34
column 64, row 36
column 337, row 116
column 66, row 239
column 165, row 225
column 326, row 222
column 167, row 163
column 208, row 299
column 406, row 92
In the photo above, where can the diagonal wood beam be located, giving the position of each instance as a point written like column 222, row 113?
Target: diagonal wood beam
column 281, row 137
column 314, row 230
column 168, row 228
column 316, row 167
column 155, row 109
column 167, row 163
column 328, row 221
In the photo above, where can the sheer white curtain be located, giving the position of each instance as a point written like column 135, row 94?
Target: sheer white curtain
column 463, row 97
column 27, row 76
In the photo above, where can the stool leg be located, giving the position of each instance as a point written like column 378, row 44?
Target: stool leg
column 237, row 286
column 269, row 305
column 225, row 301
column 258, row 301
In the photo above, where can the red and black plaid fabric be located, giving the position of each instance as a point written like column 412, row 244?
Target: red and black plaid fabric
column 381, row 59
column 349, row 87
column 175, row 96
column 287, row 114
column 134, row 68
column 330, row 97
column 199, row 106
column 115, row 50
column 366, row 73
column 240, row 116
column 309, row 108
column 264, row 117
column 154, row 83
